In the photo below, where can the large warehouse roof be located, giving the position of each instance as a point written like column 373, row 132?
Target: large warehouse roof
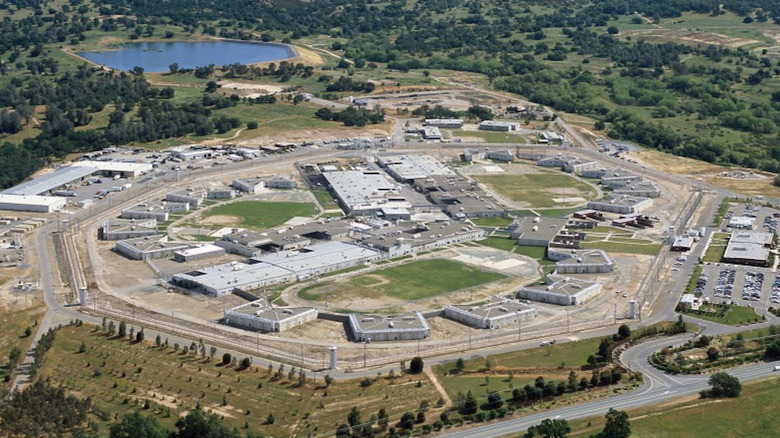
column 41, row 204
column 52, row 181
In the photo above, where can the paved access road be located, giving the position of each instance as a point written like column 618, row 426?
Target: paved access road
column 658, row 387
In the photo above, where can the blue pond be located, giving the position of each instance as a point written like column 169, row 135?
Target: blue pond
column 157, row 57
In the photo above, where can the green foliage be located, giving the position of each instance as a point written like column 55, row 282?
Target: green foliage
column 549, row 429
column 136, row 425
column 723, row 385
column 617, row 425
column 416, row 365
column 198, row 423
column 42, row 410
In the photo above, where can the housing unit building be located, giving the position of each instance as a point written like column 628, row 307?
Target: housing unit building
column 408, row 168
column 198, row 252
column 378, row 328
column 191, row 195
column 500, row 312
column 275, row 268
column 119, row 229
column 645, row 189
column 280, row 182
column 220, row 193
column 561, row 290
column 495, row 125
column 584, row 261
column 431, row 133
column 153, row 210
column 262, row 316
column 248, row 185
column 621, row 204
column 148, row 247
column 500, row 155
column 410, row 238
column 536, row 231
column 445, row 123
column 566, row 163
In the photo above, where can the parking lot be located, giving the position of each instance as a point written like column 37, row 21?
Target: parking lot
column 767, row 219
column 741, row 285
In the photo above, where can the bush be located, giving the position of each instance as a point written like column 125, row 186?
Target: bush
column 226, row 358
column 416, row 366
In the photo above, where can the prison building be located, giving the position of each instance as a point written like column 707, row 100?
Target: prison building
column 120, row 229
column 198, row 252
column 220, row 193
column 561, row 290
column 500, row 155
column 645, row 189
column 153, row 210
column 431, row 133
column 280, row 182
column 550, row 137
column 566, row 163
column 749, row 248
column 494, row 125
column 365, row 193
column 408, row 238
column 276, row 268
column 148, row 247
column 32, row 203
column 262, row 316
column 408, row 168
column 585, row 261
column 588, row 214
column 500, row 312
column 378, row 328
column 192, row 195
column 621, row 204
column 193, row 153
column 616, row 178
column 682, row 243
column 445, row 123
column 248, row 185
column 536, row 231
column 742, row 223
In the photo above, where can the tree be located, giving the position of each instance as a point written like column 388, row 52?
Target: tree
column 353, row 418
column 549, row 429
column 139, row 337
column 173, row 67
column 198, row 423
column 724, row 385
column 122, row 329
column 617, row 425
column 624, row 331
column 460, row 365
column 613, row 30
column 416, row 365
column 136, row 425
column 270, row 419
column 245, row 362
column 713, row 354
column 226, row 358
column 157, row 341
column 328, row 380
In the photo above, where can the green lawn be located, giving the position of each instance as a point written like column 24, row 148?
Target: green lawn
column 717, row 248
column 492, row 221
column 261, row 214
column 487, row 136
column 752, row 414
column 409, row 281
column 535, row 252
column 325, row 199
column 628, row 248
column 735, row 315
column 501, row 243
column 538, row 189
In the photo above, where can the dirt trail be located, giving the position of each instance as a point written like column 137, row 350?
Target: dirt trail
column 429, row 372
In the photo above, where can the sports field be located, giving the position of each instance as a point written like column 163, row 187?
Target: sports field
column 260, row 214
column 540, row 190
column 411, row 281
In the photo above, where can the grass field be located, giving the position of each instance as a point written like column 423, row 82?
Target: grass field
column 325, row 199
column 411, row 281
column 120, row 376
column 261, row 215
column 717, row 248
column 539, row 189
column 12, row 327
column 735, row 315
column 535, row 252
column 492, row 221
column 551, row 362
column 752, row 414
column 487, row 136
column 501, row 243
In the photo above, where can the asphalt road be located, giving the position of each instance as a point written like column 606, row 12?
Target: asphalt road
column 658, row 388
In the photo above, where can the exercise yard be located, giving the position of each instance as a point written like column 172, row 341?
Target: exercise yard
column 411, row 281
column 542, row 189
column 258, row 214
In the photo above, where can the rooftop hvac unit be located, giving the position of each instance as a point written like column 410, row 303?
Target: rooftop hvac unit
column 390, row 324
